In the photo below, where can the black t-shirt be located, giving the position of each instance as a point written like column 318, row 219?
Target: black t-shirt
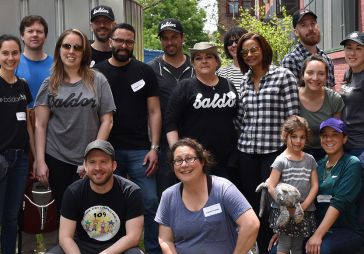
column 99, row 56
column 131, row 86
column 102, row 217
column 13, row 110
column 205, row 113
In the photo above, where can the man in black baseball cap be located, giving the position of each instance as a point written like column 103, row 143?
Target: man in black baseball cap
column 171, row 25
column 307, row 30
column 170, row 68
column 299, row 14
column 102, row 21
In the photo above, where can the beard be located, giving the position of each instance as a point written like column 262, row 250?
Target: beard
column 102, row 38
column 312, row 40
column 121, row 58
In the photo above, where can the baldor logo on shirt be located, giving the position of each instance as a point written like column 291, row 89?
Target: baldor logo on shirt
column 168, row 24
column 101, row 9
column 218, row 101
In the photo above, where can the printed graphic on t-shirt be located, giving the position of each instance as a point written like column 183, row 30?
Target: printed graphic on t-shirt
column 13, row 99
column 73, row 100
column 227, row 100
column 101, row 223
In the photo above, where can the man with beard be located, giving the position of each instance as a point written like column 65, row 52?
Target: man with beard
column 102, row 213
column 169, row 68
column 102, row 22
column 308, row 31
column 35, row 64
column 135, row 90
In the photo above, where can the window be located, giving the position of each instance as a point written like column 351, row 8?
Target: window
column 290, row 5
column 336, row 18
column 233, row 6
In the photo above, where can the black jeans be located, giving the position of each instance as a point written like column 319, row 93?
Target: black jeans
column 255, row 169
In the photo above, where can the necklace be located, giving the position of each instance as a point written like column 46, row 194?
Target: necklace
column 328, row 169
column 10, row 82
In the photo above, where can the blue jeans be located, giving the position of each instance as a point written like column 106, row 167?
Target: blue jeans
column 130, row 163
column 165, row 175
column 12, row 189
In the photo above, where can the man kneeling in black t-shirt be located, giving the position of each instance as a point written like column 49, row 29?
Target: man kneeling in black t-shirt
column 102, row 213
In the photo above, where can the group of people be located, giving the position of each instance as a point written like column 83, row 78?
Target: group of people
column 181, row 116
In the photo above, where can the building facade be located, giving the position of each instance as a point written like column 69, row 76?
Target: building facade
column 336, row 18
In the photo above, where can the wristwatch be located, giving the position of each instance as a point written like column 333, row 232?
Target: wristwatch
column 155, row 147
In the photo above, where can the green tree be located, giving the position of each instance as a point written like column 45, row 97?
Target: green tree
column 277, row 31
column 187, row 11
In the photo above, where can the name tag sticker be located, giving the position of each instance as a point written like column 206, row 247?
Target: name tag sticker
column 324, row 198
column 212, row 210
column 138, row 85
column 21, row 116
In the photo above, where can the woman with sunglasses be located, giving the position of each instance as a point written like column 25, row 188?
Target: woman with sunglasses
column 269, row 95
column 232, row 71
column 203, row 108
column 203, row 213
column 15, row 136
column 73, row 107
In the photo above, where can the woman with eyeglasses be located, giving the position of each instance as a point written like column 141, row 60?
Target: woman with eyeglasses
column 269, row 95
column 203, row 213
column 74, row 106
column 232, row 71
column 203, row 107
column 16, row 137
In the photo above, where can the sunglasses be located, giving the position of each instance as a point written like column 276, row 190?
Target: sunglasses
column 75, row 47
column 231, row 42
column 252, row 50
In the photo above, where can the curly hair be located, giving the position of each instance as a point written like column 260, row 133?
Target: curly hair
column 201, row 153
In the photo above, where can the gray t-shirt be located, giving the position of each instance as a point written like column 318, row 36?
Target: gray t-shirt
column 75, row 114
column 333, row 103
column 296, row 173
column 212, row 230
column 353, row 113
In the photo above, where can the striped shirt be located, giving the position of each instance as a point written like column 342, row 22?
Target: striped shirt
column 294, row 62
column 296, row 173
column 232, row 73
column 261, row 114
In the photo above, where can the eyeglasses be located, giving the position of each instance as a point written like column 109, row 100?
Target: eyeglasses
column 252, row 50
column 231, row 42
column 128, row 43
column 188, row 160
column 75, row 47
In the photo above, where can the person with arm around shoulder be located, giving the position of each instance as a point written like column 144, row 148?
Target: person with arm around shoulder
column 203, row 213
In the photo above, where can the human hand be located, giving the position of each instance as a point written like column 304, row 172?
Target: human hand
column 313, row 245
column 151, row 159
column 42, row 173
column 81, row 171
column 273, row 241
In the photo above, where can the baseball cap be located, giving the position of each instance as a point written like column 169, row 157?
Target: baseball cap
column 334, row 123
column 299, row 14
column 102, row 10
column 102, row 145
column 205, row 47
column 170, row 24
column 356, row 36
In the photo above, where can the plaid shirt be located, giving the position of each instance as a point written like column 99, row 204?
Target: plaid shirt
column 294, row 61
column 261, row 114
